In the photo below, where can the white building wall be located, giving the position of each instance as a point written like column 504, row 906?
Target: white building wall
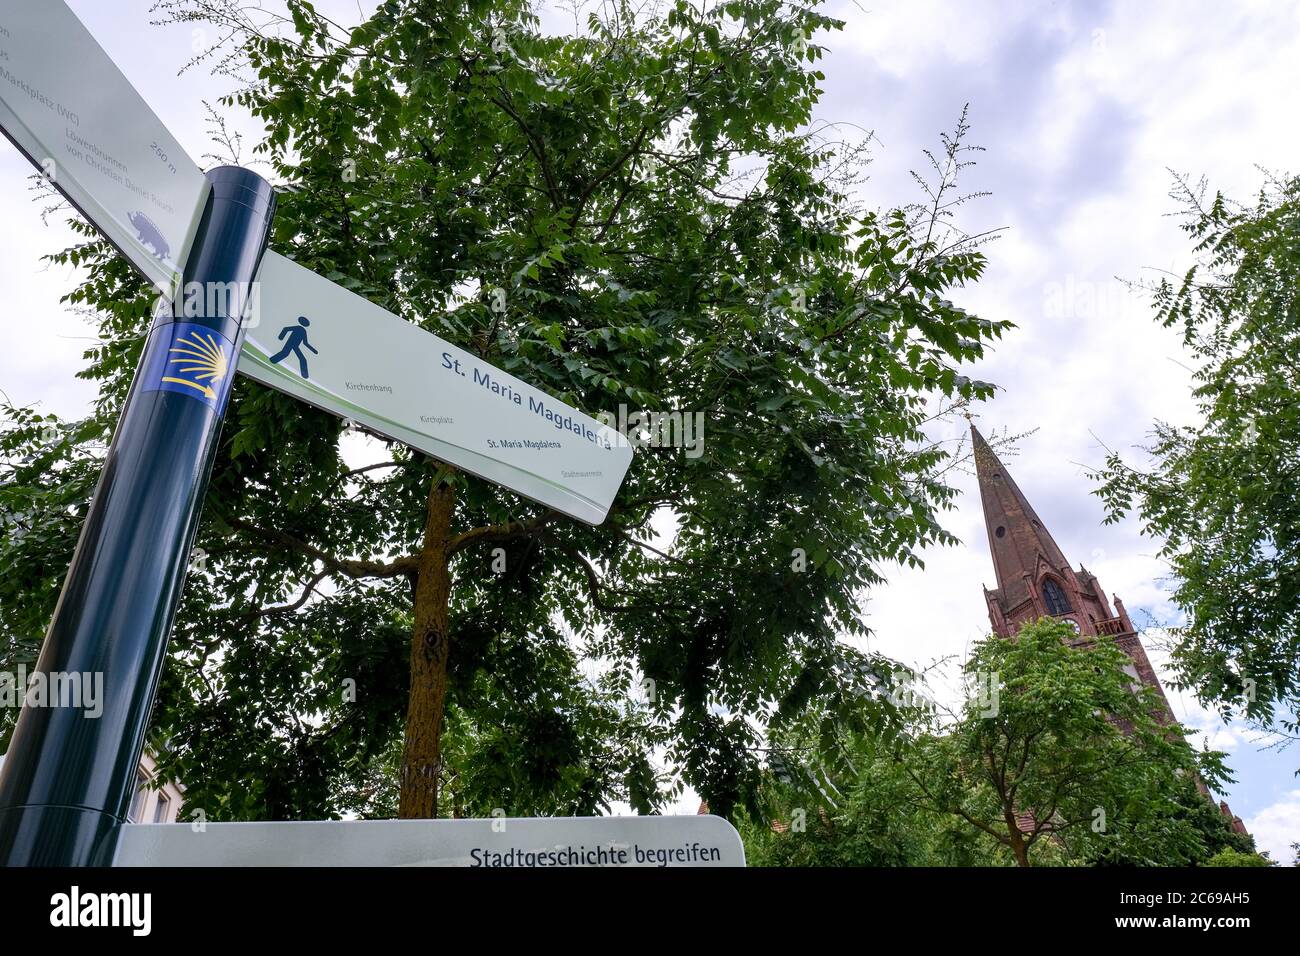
column 150, row 805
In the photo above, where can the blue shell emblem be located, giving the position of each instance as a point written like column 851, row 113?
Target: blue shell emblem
column 195, row 361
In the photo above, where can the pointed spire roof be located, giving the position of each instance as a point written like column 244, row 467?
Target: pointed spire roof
column 1018, row 540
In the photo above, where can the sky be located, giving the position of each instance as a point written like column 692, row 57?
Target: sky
column 1083, row 110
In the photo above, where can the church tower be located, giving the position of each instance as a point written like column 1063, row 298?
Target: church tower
column 1036, row 580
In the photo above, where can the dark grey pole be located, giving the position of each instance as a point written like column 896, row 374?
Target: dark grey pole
column 68, row 778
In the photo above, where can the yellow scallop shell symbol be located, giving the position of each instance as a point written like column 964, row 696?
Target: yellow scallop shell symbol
column 200, row 361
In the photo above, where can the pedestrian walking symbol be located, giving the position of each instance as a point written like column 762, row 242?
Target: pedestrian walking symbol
column 295, row 339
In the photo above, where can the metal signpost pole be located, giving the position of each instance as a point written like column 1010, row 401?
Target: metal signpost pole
column 68, row 778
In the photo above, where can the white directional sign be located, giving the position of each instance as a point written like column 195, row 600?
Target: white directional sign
column 66, row 105
column 503, row 842
column 321, row 343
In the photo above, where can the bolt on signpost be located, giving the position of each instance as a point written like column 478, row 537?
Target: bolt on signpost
column 68, row 779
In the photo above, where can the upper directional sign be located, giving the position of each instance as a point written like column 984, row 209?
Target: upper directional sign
column 321, row 343
column 66, row 105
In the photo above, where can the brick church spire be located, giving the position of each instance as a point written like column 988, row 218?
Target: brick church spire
column 1021, row 546
column 1034, row 578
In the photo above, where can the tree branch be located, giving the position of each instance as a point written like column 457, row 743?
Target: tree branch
column 353, row 568
column 288, row 608
column 491, row 533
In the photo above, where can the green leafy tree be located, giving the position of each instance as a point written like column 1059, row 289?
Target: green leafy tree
column 639, row 214
column 1236, row 858
column 854, row 804
column 1194, row 809
column 953, row 792
column 1221, row 496
column 1069, row 761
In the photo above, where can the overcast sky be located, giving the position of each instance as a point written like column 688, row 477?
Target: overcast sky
column 1083, row 109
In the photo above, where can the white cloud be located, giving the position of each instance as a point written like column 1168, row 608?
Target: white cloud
column 45, row 339
column 1083, row 110
column 1277, row 826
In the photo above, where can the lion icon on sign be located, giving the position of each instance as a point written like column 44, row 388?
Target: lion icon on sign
column 150, row 235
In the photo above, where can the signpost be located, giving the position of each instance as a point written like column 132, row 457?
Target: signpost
column 75, row 116
column 67, row 780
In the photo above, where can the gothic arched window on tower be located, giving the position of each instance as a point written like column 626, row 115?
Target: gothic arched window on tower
column 1054, row 598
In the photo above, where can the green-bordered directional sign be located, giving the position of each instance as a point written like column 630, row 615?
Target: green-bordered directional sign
column 68, row 107
column 115, row 161
column 336, row 350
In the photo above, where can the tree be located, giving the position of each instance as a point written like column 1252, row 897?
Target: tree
column 960, row 789
column 1221, row 496
column 854, row 804
column 639, row 214
column 1236, row 858
column 1069, row 758
column 1214, row 832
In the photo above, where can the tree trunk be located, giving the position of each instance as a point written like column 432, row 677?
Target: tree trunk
column 430, row 647
column 1016, row 839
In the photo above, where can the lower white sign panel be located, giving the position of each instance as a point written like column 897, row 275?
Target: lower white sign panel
column 501, row 842
column 333, row 349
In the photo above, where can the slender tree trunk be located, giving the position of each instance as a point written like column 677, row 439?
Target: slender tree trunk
column 1016, row 839
column 430, row 647
column 1019, row 851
